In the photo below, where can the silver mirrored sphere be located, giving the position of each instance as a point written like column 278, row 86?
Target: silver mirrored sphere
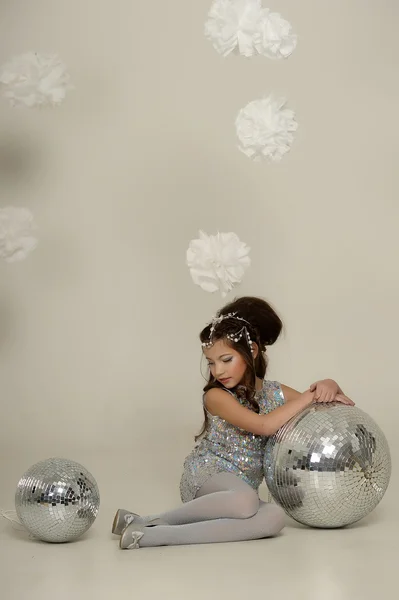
column 57, row 500
column 329, row 466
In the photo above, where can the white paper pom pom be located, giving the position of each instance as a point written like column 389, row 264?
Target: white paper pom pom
column 274, row 37
column 232, row 25
column 34, row 79
column 243, row 25
column 218, row 262
column 264, row 129
column 16, row 239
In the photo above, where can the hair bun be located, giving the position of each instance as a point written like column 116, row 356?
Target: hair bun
column 260, row 315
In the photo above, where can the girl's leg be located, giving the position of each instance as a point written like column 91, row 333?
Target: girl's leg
column 268, row 521
column 223, row 496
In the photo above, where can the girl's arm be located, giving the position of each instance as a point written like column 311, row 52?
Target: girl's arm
column 224, row 405
column 289, row 393
column 325, row 390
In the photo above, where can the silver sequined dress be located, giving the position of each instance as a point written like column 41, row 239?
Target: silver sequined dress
column 226, row 448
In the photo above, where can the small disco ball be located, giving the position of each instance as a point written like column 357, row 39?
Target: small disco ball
column 329, row 466
column 57, row 500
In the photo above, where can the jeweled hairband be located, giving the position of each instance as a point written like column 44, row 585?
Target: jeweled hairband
column 233, row 337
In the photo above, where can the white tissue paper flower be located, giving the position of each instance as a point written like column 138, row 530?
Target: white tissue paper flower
column 16, row 233
column 34, row 79
column 218, row 262
column 232, row 25
column 274, row 37
column 265, row 129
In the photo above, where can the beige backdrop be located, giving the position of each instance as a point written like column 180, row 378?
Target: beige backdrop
column 99, row 358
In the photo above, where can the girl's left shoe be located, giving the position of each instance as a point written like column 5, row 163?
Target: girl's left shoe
column 131, row 536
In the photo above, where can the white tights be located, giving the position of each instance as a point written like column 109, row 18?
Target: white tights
column 226, row 509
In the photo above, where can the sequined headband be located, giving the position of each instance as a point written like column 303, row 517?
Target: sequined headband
column 233, row 337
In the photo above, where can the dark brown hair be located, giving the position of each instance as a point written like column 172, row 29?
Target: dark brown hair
column 264, row 327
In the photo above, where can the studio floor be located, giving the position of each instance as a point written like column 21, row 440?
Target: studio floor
column 359, row 562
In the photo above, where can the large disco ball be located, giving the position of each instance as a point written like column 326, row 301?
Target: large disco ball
column 329, row 466
column 57, row 500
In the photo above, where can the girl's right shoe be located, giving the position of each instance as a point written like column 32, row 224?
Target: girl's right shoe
column 123, row 518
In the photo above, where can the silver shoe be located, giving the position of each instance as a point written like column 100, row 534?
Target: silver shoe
column 123, row 518
column 131, row 536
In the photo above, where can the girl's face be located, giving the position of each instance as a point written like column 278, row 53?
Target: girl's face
column 226, row 364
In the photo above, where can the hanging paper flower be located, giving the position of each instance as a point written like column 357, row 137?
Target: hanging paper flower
column 16, row 238
column 265, row 129
column 34, row 79
column 274, row 37
column 243, row 25
column 232, row 25
column 218, row 262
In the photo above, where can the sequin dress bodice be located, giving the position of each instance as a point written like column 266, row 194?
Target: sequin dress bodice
column 225, row 447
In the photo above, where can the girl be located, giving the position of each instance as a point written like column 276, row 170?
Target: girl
column 222, row 475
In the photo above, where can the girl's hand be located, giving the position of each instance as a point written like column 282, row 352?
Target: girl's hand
column 329, row 391
column 344, row 400
column 325, row 391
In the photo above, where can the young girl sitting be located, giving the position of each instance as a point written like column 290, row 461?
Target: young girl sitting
column 222, row 475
